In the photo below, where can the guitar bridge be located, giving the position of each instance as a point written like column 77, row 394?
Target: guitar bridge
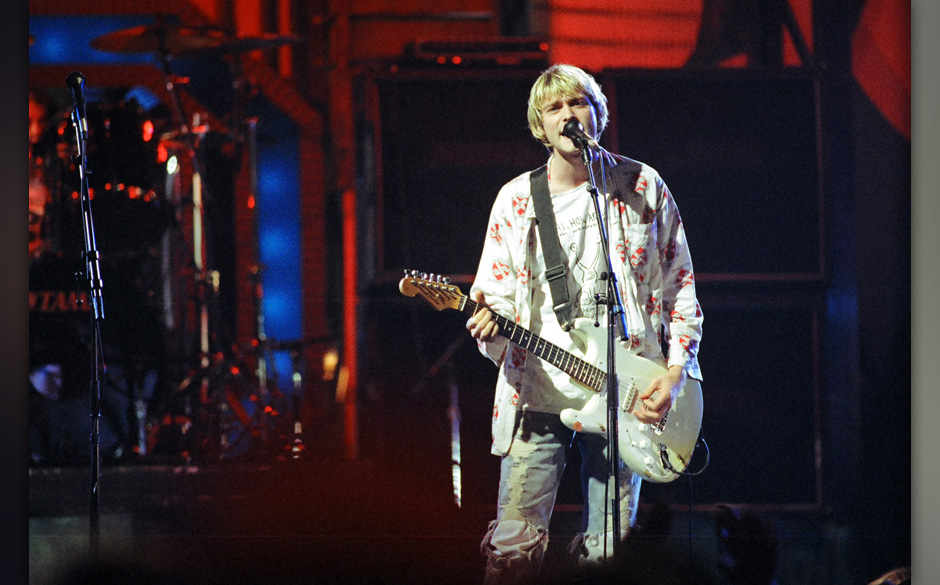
column 660, row 425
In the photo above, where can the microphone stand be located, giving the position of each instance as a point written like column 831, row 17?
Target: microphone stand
column 615, row 317
column 95, row 285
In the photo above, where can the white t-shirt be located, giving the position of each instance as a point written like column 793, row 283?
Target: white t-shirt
column 546, row 388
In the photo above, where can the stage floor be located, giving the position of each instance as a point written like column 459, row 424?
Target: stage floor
column 387, row 517
column 388, row 521
column 289, row 522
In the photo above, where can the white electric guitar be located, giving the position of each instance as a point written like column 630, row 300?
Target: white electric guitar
column 658, row 452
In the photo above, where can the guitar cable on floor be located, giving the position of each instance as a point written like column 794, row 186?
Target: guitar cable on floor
column 664, row 456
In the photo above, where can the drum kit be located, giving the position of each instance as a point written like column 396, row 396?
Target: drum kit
column 173, row 387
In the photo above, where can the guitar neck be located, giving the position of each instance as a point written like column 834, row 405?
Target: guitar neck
column 582, row 371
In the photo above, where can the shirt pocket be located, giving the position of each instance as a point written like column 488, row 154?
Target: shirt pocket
column 640, row 250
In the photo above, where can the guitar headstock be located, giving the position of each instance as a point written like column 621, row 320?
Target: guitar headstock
column 435, row 289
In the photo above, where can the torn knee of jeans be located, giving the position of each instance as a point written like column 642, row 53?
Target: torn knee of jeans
column 510, row 538
column 516, row 484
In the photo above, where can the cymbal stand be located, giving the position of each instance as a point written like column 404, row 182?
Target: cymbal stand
column 265, row 347
column 295, row 443
column 207, row 286
column 297, row 447
column 206, row 280
column 266, row 368
column 263, row 351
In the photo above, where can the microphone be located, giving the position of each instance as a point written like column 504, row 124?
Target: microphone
column 76, row 81
column 575, row 131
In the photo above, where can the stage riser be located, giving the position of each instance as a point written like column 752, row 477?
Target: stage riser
column 356, row 522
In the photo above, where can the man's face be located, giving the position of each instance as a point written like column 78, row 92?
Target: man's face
column 558, row 110
column 38, row 197
column 37, row 118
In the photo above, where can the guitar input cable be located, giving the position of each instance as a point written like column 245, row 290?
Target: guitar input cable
column 664, row 458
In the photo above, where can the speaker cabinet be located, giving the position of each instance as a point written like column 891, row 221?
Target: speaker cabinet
column 449, row 142
column 740, row 153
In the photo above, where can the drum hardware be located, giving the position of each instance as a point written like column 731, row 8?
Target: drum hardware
column 123, row 169
column 218, row 375
column 64, row 295
column 295, row 349
column 168, row 41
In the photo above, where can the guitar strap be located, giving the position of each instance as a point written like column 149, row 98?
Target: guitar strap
column 551, row 247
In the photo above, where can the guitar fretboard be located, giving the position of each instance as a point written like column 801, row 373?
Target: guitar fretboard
column 589, row 375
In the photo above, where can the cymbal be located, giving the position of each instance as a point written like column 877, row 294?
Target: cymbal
column 180, row 39
column 159, row 37
column 239, row 44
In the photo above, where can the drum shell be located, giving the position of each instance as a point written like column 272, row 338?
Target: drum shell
column 122, row 148
column 126, row 180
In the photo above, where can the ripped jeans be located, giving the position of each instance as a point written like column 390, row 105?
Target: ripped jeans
column 530, row 474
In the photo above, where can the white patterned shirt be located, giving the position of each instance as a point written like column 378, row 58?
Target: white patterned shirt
column 652, row 266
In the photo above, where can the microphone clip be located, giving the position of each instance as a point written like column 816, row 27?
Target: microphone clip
column 76, row 82
column 575, row 132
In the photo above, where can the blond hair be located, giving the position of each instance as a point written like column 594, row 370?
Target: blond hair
column 562, row 80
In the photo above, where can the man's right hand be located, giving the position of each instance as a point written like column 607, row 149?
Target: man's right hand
column 482, row 325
